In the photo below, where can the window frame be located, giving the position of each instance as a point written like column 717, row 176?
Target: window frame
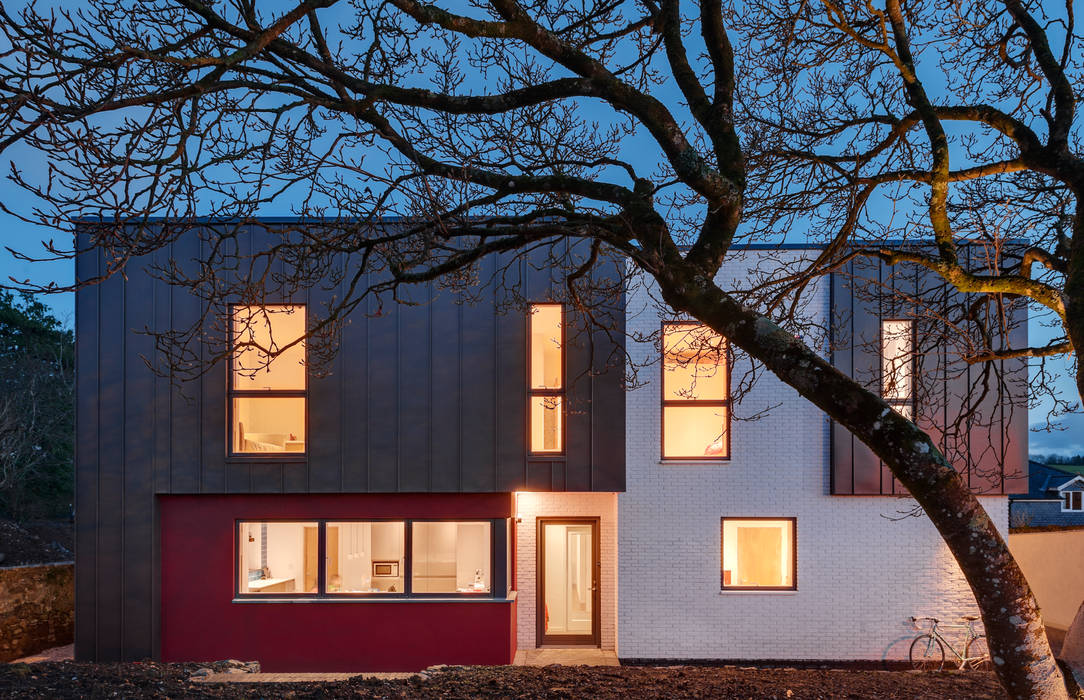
column 322, row 593
column 793, row 558
column 670, row 403
column 1068, row 498
column 532, row 393
column 232, row 393
column 912, row 400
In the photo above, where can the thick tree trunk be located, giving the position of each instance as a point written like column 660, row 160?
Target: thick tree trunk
column 1019, row 649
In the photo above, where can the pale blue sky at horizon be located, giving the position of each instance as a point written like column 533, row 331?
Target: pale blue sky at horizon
column 26, row 238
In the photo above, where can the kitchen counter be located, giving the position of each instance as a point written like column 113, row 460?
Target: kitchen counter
column 271, row 585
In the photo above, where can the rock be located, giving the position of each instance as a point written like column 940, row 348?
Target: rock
column 233, row 669
column 252, row 667
column 201, row 672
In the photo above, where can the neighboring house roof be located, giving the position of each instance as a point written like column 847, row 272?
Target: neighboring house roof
column 1074, row 484
column 1044, row 479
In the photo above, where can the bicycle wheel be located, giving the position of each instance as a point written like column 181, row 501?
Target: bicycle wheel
column 926, row 653
column 977, row 654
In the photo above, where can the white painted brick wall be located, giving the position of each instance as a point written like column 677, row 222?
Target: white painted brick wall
column 860, row 574
column 532, row 505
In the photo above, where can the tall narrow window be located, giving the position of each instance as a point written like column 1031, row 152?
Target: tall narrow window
column 545, row 408
column 267, row 394
column 695, row 393
column 897, row 365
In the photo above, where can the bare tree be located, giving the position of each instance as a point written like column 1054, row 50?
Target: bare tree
column 494, row 128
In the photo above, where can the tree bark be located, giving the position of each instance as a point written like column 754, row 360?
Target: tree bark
column 1020, row 652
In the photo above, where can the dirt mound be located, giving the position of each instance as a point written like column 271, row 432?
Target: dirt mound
column 34, row 543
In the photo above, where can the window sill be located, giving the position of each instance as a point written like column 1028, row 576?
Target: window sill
column 365, row 601
column 273, row 458
column 790, row 591
column 694, row 462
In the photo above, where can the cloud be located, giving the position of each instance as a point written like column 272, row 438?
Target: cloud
column 1069, row 441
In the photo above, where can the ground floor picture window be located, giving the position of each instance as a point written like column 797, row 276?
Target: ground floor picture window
column 366, row 557
column 278, row 557
column 759, row 553
column 451, row 557
column 379, row 558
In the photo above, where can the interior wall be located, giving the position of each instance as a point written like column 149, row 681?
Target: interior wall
column 528, row 507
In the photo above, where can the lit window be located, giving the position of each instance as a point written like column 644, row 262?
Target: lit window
column 451, row 557
column 278, row 558
column 695, row 393
column 546, row 370
column 374, row 559
column 366, row 557
column 897, row 365
column 267, row 394
column 1072, row 501
column 758, row 553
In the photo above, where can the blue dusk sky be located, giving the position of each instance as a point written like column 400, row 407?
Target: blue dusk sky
column 27, row 239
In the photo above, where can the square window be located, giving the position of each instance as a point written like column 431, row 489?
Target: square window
column 758, row 554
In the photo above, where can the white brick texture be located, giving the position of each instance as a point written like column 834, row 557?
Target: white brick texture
column 862, row 570
column 533, row 505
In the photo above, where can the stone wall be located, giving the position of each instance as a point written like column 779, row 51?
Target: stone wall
column 37, row 608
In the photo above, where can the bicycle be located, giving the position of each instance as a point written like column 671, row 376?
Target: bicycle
column 928, row 649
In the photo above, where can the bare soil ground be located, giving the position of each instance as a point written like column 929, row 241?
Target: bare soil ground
column 155, row 680
column 35, row 542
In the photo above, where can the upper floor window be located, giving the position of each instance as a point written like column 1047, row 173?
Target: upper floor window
column 897, row 365
column 267, row 394
column 695, row 393
column 546, row 385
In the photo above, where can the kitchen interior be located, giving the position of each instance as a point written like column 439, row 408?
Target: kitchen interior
column 366, row 557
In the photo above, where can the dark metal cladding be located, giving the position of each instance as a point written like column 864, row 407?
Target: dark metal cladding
column 990, row 447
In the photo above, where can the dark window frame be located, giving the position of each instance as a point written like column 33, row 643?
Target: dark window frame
column 793, row 553
column 679, row 403
column 533, row 393
column 1067, row 503
column 232, row 392
column 912, row 400
column 498, row 557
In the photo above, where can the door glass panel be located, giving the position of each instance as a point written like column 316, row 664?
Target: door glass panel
column 569, row 559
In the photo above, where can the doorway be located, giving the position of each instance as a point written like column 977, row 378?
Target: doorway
column 569, row 570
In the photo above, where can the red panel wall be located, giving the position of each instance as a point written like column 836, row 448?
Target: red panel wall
column 201, row 623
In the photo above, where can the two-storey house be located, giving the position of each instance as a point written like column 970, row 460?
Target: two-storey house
column 466, row 478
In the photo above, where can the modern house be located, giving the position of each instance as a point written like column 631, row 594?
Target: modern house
column 469, row 478
column 1055, row 497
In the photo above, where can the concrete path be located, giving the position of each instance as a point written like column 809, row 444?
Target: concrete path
column 575, row 656
column 293, row 677
column 64, row 653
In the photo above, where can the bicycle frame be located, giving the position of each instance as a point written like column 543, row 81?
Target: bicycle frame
column 934, row 631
